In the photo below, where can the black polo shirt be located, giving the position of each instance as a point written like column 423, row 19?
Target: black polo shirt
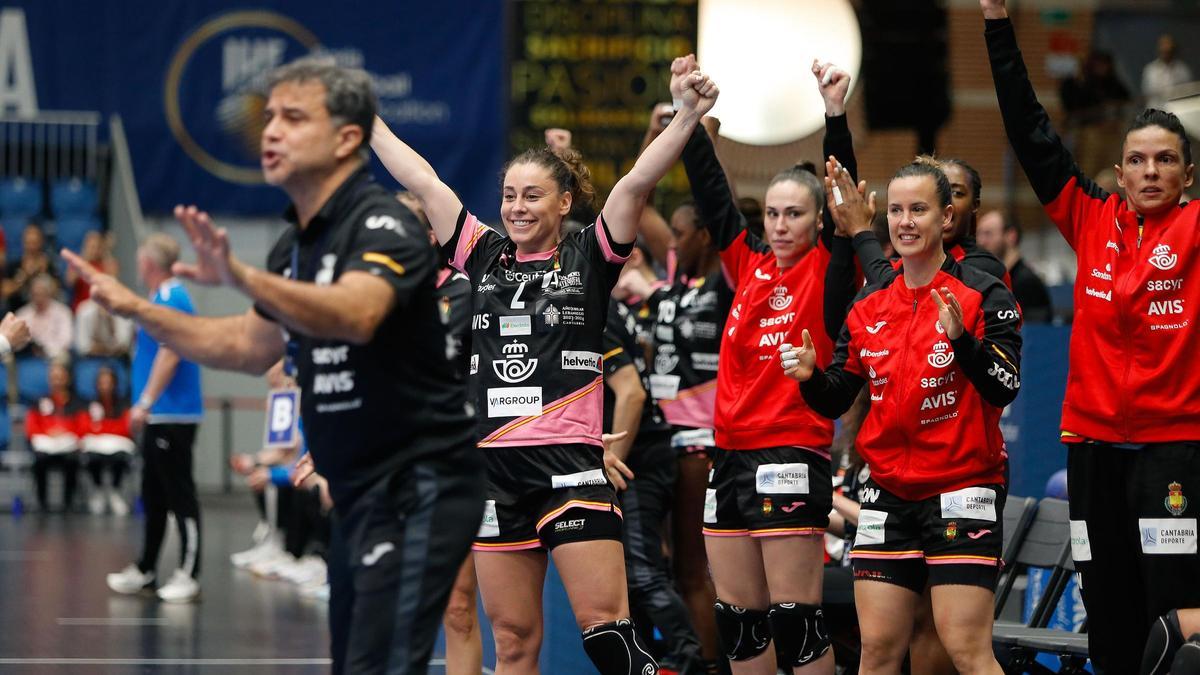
column 370, row 409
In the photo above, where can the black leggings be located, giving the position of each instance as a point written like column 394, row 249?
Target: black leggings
column 68, row 463
column 117, row 464
column 168, row 486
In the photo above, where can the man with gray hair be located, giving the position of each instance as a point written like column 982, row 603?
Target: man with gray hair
column 51, row 325
column 167, row 410
column 349, row 299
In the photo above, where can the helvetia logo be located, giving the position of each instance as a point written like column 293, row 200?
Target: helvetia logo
column 514, row 367
column 1163, row 259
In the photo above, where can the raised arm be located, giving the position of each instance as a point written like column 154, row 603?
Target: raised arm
column 834, row 83
column 411, row 170
column 1039, row 149
column 623, row 209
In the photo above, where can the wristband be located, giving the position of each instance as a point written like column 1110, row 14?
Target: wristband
column 145, row 402
column 5, row 346
column 676, row 104
column 279, row 475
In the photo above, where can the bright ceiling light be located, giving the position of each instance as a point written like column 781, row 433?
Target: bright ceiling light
column 760, row 53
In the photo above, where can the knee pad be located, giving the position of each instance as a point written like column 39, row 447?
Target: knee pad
column 615, row 649
column 745, row 633
column 801, row 636
column 1187, row 658
column 1164, row 640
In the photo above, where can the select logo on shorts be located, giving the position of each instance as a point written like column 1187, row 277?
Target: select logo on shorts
column 1164, row 536
column 581, row 361
column 516, row 325
column 942, row 355
column 592, row 477
column 572, row 525
column 870, row 527
column 490, row 525
column 974, row 502
column 786, row 479
column 514, row 367
column 514, row 401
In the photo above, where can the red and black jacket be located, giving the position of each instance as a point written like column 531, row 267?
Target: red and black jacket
column 757, row 406
column 934, row 422
column 1137, row 290
column 99, row 419
column 54, row 415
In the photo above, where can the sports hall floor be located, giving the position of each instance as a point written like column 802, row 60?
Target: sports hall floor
column 57, row 616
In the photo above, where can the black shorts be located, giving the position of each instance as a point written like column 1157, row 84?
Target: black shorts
column 544, row 496
column 952, row 538
column 687, row 442
column 770, row 492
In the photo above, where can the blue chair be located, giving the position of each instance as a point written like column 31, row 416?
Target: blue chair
column 73, row 198
column 5, row 427
column 85, row 376
column 14, row 232
column 20, row 197
column 33, row 379
column 70, row 231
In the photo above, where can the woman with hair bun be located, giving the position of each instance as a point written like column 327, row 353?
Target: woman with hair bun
column 770, row 490
column 540, row 308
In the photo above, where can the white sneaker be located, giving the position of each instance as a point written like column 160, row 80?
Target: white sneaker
column 265, row 549
column 96, row 503
column 130, row 580
column 181, row 588
column 116, row 504
column 307, row 570
column 269, row 566
column 315, row 591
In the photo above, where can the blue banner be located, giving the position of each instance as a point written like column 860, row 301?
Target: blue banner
column 186, row 77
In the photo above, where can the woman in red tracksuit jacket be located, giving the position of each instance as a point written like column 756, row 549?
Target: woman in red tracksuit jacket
column 52, row 427
column 1131, row 417
column 770, row 491
column 107, row 443
column 939, row 348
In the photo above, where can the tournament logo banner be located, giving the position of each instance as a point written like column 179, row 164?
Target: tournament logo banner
column 187, row 80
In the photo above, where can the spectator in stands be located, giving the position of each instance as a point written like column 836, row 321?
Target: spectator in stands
column 53, row 430
column 1095, row 101
column 1097, row 93
column 36, row 259
column 1163, row 74
column 99, row 332
column 1002, row 237
column 96, row 249
column 50, row 322
column 107, row 443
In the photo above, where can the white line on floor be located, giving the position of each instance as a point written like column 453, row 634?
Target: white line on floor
column 114, row 621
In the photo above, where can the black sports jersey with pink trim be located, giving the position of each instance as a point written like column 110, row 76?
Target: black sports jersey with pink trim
column 537, row 347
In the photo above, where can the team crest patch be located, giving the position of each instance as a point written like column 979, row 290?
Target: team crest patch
column 951, row 532
column 1175, row 502
column 767, row 506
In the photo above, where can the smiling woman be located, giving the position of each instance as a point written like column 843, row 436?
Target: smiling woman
column 540, row 307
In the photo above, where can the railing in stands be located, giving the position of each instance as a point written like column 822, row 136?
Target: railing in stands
column 50, row 144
